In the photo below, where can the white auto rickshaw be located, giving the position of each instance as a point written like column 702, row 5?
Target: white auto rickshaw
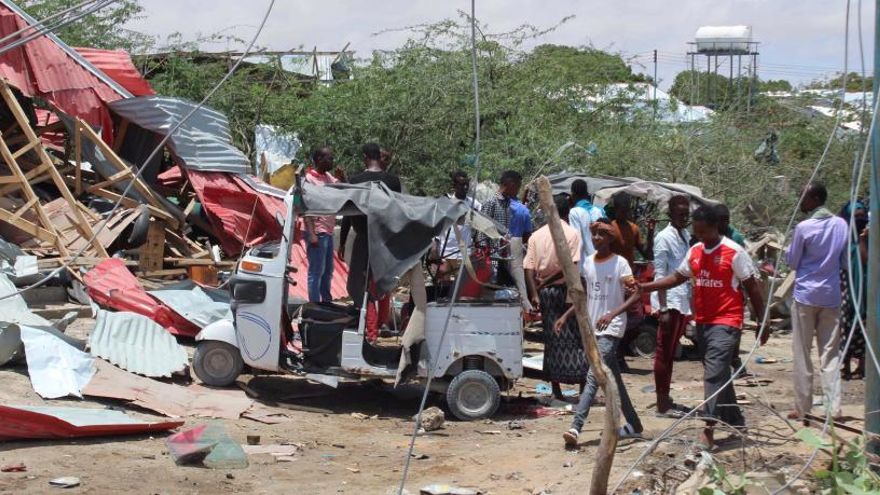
column 480, row 355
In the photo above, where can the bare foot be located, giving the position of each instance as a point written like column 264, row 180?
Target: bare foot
column 707, row 439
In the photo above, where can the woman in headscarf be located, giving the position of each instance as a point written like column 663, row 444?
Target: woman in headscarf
column 854, row 270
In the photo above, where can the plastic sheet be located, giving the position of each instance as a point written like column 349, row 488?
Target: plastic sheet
column 57, row 369
column 208, row 445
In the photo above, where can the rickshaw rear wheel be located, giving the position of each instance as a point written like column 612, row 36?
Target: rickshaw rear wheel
column 217, row 363
column 473, row 395
column 644, row 342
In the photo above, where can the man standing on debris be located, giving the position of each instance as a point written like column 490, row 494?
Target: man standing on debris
column 608, row 280
column 582, row 214
column 564, row 360
column 736, row 236
column 673, row 306
column 319, row 231
column 720, row 269
column 378, row 305
column 815, row 254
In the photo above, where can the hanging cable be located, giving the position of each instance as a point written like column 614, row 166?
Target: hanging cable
column 457, row 286
column 159, row 147
column 45, row 21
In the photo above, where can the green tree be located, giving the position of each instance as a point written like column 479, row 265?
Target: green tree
column 101, row 29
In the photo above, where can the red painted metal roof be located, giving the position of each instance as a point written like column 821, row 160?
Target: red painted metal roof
column 242, row 216
column 111, row 285
column 118, row 65
column 18, row 424
column 41, row 68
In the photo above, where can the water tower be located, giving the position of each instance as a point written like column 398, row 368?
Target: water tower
column 722, row 45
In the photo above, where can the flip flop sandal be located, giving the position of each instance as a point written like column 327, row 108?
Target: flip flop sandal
column 671, row 413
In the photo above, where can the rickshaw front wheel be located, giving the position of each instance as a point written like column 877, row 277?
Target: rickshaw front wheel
column 473, row 395
column 217, row 363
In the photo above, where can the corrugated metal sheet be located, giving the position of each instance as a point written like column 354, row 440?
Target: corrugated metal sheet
column 195, row 305
column 202, row 143
column 111, row 285
column 47, row 68
column 137, row 344
column 242, row 211
column 118, row 66
column 33, row 422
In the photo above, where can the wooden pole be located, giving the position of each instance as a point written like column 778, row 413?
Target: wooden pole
column 608, row 443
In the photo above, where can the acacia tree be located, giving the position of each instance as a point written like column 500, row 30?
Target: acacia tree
column 102, row 29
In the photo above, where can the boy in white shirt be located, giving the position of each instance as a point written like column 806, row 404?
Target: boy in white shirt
column 608, row 280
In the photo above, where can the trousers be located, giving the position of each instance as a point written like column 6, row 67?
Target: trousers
column 718, row 344
column 320, row 258
column 608, row 350
column 808, row 323
column 664, row 354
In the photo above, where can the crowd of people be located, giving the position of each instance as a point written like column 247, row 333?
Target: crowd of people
column 703, row 276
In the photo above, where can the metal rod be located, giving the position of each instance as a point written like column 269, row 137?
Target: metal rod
column 872, row 378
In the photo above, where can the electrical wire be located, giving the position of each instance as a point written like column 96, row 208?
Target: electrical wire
column 762, row 327
column 159, row 147
column 44, row 29
column 457, row 286
column 44, row 21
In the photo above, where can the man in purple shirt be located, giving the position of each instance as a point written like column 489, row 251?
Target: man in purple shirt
column 815, row 254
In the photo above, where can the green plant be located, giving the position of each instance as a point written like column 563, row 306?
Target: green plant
column 849, row 473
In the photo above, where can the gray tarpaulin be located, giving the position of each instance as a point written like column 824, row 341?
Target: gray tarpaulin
column 400, row 227
column 603, row 187
column 202, row 143
column 195, row 305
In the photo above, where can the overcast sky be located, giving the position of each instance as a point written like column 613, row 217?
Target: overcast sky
column 800, row 39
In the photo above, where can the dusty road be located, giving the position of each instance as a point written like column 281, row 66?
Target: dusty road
column 343, row 453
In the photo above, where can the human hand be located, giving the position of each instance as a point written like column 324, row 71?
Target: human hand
column 604, row 321
column 313, row 238
column 763, row 337
column 557, row 327
column 536, row 302
column 341, row 253
column 663, row 319
column 651, row 224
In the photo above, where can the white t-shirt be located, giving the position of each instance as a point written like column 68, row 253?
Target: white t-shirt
column 605, row 291
column 448, row 241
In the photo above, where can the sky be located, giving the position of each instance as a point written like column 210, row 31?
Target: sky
column 800, row 40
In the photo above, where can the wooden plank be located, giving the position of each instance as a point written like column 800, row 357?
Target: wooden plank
column 198, row 262
column 133, row 203
column 152, row 252
column 8, row 179
column 27, row 206
column 113, row 179
column 31, row 228
column 120, row 136
column 29, row 176
column 174, row 272
column 83, row 226
column 24, row 149
column 120, row 165
column 77, row 155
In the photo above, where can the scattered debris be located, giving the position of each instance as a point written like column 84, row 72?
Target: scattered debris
column 207, row 445
column 137, row 344
column 447, row 490
column 65, row 482
column 57, row 369
column 253, row 439
column 13, row 468
column 433, row 418
column 515, row 425
column 32, row 422
column 170, row 400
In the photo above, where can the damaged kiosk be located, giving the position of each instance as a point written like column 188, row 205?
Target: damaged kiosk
column 480, row 355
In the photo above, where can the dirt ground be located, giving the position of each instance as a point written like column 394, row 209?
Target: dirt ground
column 343, row 452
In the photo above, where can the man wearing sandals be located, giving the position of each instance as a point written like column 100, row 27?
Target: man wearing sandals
column 719, row 270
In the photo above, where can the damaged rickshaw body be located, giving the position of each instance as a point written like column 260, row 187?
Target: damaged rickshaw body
column 473, row 357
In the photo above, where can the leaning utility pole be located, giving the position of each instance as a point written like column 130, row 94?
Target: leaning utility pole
column 872, row 339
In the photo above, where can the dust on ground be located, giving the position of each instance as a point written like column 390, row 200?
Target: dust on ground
column 354, row 440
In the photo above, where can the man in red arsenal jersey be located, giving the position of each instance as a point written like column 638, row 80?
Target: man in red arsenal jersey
column 718, row 269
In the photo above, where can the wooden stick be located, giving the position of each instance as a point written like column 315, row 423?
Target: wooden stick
column 608, row 442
